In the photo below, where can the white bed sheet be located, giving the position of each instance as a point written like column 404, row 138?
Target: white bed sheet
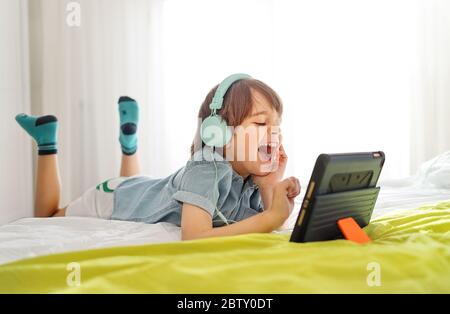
column 394, row 195
column 32, row 237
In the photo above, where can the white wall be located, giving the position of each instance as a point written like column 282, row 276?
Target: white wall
column 15, row 157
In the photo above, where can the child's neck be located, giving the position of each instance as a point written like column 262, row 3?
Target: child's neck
column 237, row 167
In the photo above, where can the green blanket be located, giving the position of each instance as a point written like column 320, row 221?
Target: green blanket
column 410, row 253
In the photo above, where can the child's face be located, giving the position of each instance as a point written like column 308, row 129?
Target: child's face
column 257, row 140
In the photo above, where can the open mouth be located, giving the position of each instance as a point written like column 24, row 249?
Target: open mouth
column 267, row 151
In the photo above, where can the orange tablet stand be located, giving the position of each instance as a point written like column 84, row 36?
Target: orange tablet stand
column 352, row 231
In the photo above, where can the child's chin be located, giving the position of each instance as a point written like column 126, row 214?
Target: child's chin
column 264, row 169
column 261, row 173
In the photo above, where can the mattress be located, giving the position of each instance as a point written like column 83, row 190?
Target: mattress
column 31, row 237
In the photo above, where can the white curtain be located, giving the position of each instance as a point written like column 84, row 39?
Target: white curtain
column 341, row 67
column 354, row 75
column 430, row 130
column 79, row 72
column 15, row 162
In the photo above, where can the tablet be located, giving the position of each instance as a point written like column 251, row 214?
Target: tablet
column 341, row 186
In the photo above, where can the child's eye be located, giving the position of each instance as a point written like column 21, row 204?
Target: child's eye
column 260, row 123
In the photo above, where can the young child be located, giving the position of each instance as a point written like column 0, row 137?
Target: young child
column 232, row 190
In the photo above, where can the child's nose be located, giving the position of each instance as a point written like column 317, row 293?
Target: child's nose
column 275, row 129
column 274, row 133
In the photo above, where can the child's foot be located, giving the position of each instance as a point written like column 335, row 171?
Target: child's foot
column 129, row 118
column 43, row 130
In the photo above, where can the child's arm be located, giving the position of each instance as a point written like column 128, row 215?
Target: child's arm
column 266, row 192
column 196, row 223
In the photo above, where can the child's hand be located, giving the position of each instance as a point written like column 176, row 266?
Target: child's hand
column 283, row 200
column 280, row 162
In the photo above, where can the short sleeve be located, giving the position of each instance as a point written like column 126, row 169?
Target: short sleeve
column 199, row 187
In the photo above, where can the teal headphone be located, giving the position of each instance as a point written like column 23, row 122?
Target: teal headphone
column 214, row 131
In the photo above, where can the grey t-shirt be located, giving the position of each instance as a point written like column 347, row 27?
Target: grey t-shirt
column 150, row 200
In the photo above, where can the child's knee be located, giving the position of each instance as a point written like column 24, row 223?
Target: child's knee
column 60, row 212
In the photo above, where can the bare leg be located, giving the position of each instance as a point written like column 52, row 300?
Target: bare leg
column 43, row 130
column 61, row 212
column 130, row 165
column 48, row 186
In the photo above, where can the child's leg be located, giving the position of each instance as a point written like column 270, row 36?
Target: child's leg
column 48, row 186
column 130, row 166
column 129, row 118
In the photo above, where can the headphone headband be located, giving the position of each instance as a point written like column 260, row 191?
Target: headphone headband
column 214, row 131
column 217, row 101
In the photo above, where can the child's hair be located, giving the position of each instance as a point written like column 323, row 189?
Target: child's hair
column 237, row 104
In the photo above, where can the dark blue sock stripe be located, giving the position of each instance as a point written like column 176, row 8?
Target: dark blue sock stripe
column 129, row 153
column 45, row 152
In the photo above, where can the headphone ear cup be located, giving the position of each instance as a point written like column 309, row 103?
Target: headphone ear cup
column 215, row 132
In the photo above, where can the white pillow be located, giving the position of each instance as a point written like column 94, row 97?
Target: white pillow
column 435, row 172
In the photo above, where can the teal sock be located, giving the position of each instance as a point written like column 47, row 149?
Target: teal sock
column 129, row 118
column 43, row 130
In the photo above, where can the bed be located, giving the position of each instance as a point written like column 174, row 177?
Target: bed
column 410, row 252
